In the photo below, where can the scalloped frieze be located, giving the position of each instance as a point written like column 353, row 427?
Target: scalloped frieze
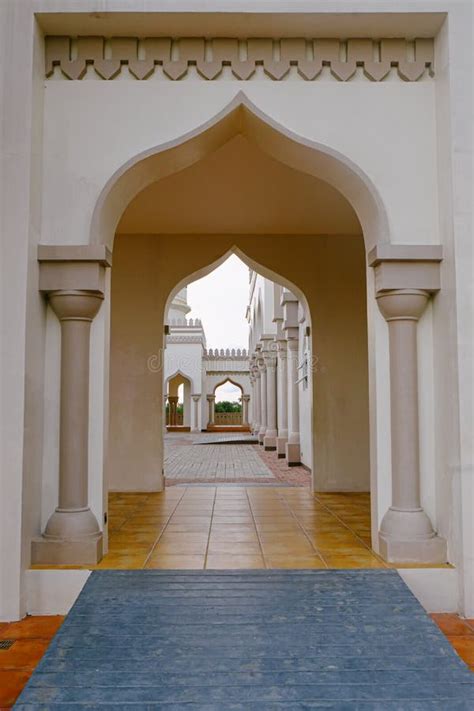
column 173, row 58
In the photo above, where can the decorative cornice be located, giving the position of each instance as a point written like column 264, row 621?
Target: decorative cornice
column 184, row 339
column 172, row 58
column 226, row 371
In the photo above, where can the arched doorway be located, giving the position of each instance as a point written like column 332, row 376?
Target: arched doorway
column 178, row 405
column 316, row 247
column 228, row 409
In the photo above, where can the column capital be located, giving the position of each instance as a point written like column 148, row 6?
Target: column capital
column 73, row 267
column 270, row 359
column 210, row 398
column 75, row 304
column 246, row 397
column 403, row 266
column 402, row 304
column 196, row 397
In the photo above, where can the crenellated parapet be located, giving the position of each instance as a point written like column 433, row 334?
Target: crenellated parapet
column 219, row 353
column 185, row 322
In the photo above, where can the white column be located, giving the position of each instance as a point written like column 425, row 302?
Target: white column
column 282, row 398
column 252, row 401
column 406, row 533
column 245, row 410
column 291, row 330
column 72, row 534
column 269, row 441
column 293, row 453
column 211, row 399
column 195, row 421
column 263, row 400
column 257, row 404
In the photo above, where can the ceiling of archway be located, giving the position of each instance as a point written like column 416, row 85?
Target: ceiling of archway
column 239, row 189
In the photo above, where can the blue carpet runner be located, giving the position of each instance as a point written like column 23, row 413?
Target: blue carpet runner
column 249, row 641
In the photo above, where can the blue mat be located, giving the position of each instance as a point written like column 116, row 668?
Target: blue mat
column 249, row 641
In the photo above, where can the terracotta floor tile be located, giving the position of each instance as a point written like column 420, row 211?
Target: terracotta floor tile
column 464, row 646
column 23, row 654
column 452, row 625
column 38, row 627
column 11, row 685
column 230, row 562
column 176, row 562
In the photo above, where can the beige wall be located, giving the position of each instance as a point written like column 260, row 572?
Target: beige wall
column 328, row 270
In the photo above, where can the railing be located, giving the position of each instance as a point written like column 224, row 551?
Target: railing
column 227, row 418
column 178, row 419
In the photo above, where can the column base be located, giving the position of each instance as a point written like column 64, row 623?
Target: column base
column 428, row 551
column 261, row 437
column 269, row 443
column 281, row 447
column 80, row 551
column 293, row 454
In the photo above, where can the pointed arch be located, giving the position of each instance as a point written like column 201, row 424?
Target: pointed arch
column 240, row 116
column 232, row 382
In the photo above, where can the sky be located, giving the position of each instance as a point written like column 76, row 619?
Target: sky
column 220, row 300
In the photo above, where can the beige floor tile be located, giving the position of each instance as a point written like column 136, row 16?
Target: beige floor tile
column 176, row 562
column 234, row 562
column 286, row 561
column 359, row 561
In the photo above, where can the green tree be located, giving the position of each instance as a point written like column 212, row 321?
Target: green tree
column 227, row 406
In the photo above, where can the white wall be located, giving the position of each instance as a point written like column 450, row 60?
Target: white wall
column 412, row 140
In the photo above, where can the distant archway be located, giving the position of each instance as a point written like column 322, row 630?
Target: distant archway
column 228, row 403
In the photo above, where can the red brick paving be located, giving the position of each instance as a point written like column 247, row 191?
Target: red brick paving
column 296, row 476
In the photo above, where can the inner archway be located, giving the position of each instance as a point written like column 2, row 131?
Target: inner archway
column 301, row 235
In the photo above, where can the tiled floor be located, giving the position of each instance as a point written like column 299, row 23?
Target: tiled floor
column 239, row 527
column 211, row 458
column 215, row 462
column 460, row 633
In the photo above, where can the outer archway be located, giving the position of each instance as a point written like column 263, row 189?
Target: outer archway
column 240, row 117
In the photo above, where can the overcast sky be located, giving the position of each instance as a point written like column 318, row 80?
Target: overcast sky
column 220, row 300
